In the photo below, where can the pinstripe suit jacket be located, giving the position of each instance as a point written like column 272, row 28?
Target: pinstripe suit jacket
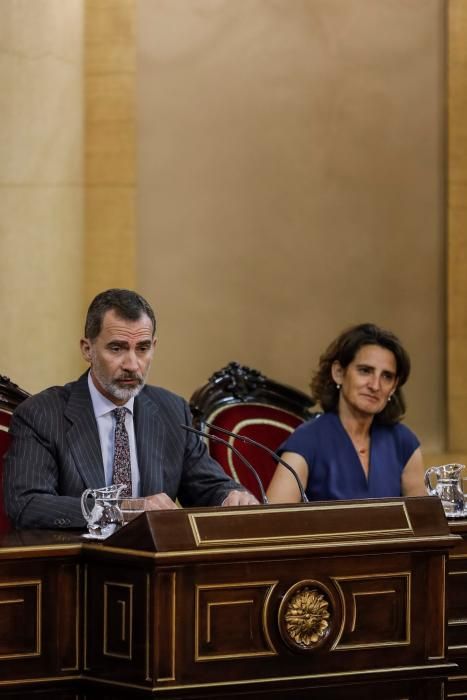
column 56, row 454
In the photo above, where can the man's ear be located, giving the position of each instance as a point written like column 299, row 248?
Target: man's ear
column 337, row 372
column 85, row 346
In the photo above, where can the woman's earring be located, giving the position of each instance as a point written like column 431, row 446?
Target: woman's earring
column 389, row 397
column 338, row 386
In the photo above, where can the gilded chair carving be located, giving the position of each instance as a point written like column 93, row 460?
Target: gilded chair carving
column 244, row 401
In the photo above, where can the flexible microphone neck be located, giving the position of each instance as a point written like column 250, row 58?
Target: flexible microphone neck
column 250, row 441
column 248, row 465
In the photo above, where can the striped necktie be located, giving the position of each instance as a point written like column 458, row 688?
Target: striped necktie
column 122, row 461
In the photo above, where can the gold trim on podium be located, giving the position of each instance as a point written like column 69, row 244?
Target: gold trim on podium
column 265, row 586
column 126, row 627
column 37, row 583
column 390, row 575
column 196, row 519
column 77, row 618
column 173, row 618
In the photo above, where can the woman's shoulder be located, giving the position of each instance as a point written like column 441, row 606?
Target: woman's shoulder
column 402, row 434
column 396, row 428
column 317, row 424
column 303, row 438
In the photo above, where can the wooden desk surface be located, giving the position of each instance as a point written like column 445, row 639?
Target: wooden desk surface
column 271, row 599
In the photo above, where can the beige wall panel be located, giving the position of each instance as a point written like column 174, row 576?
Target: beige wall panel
column 109, row 238
column 110, row 146
column 290, row 182
column 457, row 221
column 41, row 147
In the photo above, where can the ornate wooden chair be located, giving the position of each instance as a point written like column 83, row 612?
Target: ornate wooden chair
column 10, row 396
column 243, row 401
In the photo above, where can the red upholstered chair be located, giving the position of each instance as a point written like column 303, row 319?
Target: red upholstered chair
column 245, row 402
column 10, row 397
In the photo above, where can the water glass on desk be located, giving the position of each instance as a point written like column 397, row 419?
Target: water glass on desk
column 101, row 509
column 448, row 487
column 131, row 508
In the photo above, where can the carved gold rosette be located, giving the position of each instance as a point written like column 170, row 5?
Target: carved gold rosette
column 306, row 617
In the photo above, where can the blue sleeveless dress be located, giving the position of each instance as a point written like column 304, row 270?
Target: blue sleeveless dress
column 335, row 471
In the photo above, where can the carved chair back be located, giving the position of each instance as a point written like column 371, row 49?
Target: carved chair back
column 10, row 397
column 245, row 402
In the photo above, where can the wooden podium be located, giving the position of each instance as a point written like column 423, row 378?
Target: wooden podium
column 456, row 609
column 343, row 598
column 270, row 597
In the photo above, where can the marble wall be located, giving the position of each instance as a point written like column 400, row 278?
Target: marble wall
column 41, row 189
column 230, row 160
column 457, row 228
column 109, row 66
column 67, row 160
column 291, row 160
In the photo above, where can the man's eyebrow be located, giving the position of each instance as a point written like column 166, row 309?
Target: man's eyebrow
column 124, row 343
column 120, row 343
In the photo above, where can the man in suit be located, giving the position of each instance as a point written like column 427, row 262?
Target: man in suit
column 65, row 438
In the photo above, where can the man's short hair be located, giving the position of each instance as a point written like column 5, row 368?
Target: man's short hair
column 127, row 304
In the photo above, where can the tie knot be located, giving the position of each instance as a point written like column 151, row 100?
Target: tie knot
column 119, row 414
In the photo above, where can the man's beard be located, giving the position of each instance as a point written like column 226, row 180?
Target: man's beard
column 122, row 393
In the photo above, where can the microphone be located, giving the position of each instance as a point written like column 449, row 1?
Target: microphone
column 250, row 467
column 250, row 441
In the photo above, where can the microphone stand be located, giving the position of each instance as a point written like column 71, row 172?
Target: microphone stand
column 250, row 467
column 250, row 441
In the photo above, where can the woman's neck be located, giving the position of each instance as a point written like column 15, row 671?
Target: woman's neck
column 358, row 430
column 357, row 425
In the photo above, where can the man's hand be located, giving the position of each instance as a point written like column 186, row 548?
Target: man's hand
column 240, row 498
column 159, row 501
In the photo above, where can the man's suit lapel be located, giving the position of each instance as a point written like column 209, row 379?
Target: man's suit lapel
column 83, row 436
column 150, row 436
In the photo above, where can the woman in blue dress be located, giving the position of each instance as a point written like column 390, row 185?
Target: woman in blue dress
column 357, row 448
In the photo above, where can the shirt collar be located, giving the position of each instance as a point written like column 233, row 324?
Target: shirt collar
column 103, row 405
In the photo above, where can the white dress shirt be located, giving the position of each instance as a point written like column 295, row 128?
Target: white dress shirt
column 106, row 425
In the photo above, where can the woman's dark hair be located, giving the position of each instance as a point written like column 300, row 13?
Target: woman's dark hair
column 343, row 350
column 126, row 304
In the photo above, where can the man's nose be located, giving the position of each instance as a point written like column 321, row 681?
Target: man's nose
column 130, row 361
